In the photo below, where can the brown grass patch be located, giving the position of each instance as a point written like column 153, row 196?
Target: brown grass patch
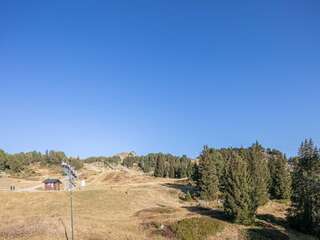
column 33, row 226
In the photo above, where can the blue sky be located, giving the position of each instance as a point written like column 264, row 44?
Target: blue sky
column 101, row 77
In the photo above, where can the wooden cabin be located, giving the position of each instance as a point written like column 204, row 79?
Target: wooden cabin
column 52, row 184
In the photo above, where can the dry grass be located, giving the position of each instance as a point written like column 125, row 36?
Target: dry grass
column 6, row 182
column 29, row 183
column 115, row 205
column 101, row 212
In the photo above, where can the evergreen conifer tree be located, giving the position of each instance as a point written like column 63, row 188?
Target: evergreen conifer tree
column 172, row 173
column 189, row 168
column 280, row 178
column 195, row 175
column 240, row 202
column 159, row 170
column 260, row 172
column 208, row 178
column 305, row 211
column 3, row 160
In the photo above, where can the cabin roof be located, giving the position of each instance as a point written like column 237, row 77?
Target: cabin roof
column 51, row 180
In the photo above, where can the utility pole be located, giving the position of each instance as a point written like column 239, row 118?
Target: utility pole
column 71, row 216
column 72, row 176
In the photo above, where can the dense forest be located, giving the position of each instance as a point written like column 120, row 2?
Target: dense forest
column 246, row 178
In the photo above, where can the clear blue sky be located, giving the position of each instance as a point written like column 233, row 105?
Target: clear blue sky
column 100, row 77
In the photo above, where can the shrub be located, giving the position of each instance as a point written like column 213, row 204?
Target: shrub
column 196, row 228
column 186, row 197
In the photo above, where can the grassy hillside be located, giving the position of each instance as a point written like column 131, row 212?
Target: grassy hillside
column 125, row 205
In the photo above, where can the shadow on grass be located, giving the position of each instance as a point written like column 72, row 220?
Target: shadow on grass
column 219, row 214
column 259, row 232
column 214, row 213
column 182, row 187
column 264, row 234
column 272, row 219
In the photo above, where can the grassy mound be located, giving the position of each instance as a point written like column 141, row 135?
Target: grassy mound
column 196, row 228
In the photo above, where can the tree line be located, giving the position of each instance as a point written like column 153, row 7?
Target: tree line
column 246, row 178
column 161, row 164
column 20, row 163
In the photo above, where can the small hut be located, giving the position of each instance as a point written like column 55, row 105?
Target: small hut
column 52, row 184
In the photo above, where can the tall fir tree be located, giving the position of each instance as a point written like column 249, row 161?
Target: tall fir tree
column 172, row 173
column 183, row 166
column 159, row 170
column 305, row 211
column 260, row 172
column 3, row 160
column 220, row 164
column 189, row 168
column 195, row 175
column 240, row 201
column 208, row 179
column 280, row 178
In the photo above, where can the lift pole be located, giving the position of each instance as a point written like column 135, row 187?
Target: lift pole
column 71, row 216
column 71, row 175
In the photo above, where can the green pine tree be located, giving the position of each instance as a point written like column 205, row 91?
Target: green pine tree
column 240, row 201
column 208, row 178
column 305, row 212
column 172, row 173
column 280, row 178
column 3, row 160
column 189, row 168
column 258, row 165
column 159, row 170
column 195, row 175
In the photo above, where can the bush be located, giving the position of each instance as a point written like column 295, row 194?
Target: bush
column 196, row 228
column 186, row 197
